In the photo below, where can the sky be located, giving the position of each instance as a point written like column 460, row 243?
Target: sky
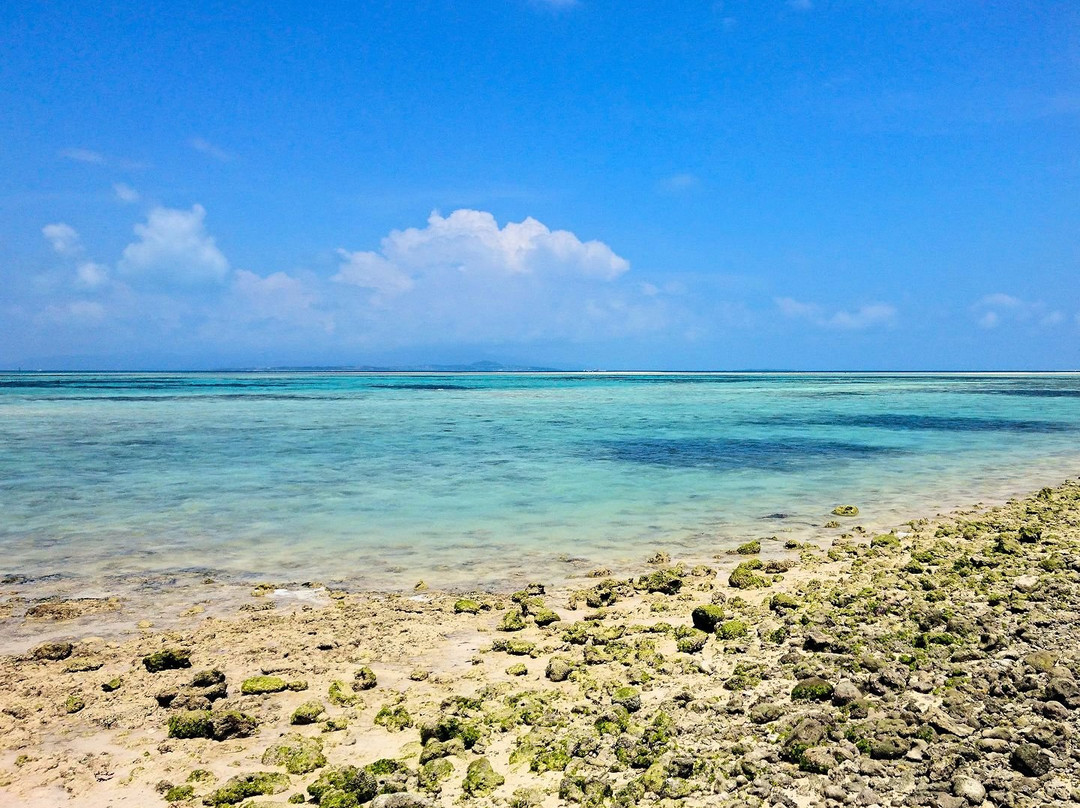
column 800, row 184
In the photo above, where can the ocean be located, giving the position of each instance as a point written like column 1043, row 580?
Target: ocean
column 483, row 480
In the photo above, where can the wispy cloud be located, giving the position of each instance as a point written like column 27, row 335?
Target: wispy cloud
column 63, row 238
column 680, row 182
column 866, row 316
column 800, row 5
column 999, row 308
column 204, row 146
column 125, row 193
column 84, row 156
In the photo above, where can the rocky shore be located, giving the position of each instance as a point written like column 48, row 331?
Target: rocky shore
column 931, row 666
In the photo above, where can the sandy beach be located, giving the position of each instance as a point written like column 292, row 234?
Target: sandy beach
column 933, row 665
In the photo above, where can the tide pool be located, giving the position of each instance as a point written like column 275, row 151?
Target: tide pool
column 378, row 480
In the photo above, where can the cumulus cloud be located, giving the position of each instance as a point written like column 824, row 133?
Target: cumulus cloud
column 995, row 309
column 174, row 247
column 63, row 238
column 463, row 277
column 125, row 193
column 866, row 316
column 471, row 242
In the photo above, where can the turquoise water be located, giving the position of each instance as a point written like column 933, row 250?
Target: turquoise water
column 482, row 479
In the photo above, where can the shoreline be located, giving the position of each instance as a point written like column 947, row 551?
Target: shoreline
column 917, row 652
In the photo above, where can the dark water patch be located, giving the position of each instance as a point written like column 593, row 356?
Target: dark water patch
column 1031, row 392
column 196, row 395
column 407, row 386
column 776, row 516
column 731, row 454
column 912, row 422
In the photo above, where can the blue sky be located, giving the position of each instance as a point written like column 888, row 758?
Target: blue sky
column 806, row 184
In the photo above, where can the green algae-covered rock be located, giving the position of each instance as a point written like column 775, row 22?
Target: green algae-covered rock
column 217, row 726
column 298, row 754
column 434, row 748
column 665, row 581
column 481, row 779
column 614, row 722
column 167, row 659
column 732, row 630
column 707, row 617
column 180, row 793
column 514, row 647
column 74, row 704
column 558, row 669
column 845, row 510
column 113, row 684
column 813, row 688
column 341, row 694
column 52, row 651
column 208, row 678
column 451, row 727
column 782, row 602
column 259, row 685
column 307, row 713
column 511, row 621
column 545, row 617
column 467, row 606
column 691, row 641
column 364, row 679
column 745, row 575
column 394, row 717
column 82, row 665
column 886, row 541
column 750, row 548
column 433, row 773
column 344, row 786
column 517, row 669
column 257, row 784
column 627, row 697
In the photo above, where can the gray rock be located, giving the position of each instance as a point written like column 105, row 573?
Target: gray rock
column 1029, row 760
column 970, row 789
column 845, row 692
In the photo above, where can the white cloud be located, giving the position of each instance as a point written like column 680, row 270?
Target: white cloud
column 84, row 156
column 472, row 243
column 866, row 316
column 125, row 193
column 370, row 270
column 63, row 237
column 278, row 296
column 91, row 275
column 204, row 146
column 465, row 278
column 998, row 308
column 174, row 247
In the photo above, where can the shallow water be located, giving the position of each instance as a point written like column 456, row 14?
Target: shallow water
column 483, row 479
